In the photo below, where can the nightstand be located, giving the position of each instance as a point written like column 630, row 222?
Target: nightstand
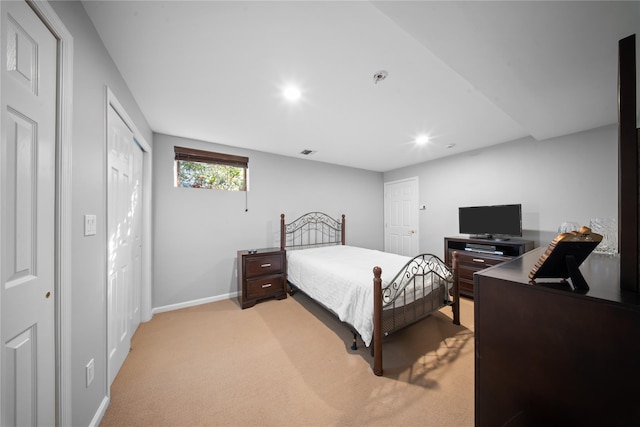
column 261, row 275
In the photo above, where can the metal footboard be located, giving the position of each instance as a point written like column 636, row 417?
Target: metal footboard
column 420, row 288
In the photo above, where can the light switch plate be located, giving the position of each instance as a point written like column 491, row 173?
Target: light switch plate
column 90, row 225
column 90, row 371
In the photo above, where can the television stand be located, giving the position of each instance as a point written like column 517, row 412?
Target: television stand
column 476, row 254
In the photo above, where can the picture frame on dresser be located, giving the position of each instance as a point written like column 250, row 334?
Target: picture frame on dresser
column 564, row 255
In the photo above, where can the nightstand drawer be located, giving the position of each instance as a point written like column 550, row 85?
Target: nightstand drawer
column 263, row 286
column 261, row 265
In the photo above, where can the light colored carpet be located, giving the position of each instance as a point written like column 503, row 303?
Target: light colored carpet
column 288, row 363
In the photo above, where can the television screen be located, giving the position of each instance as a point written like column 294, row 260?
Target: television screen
column 489, row 221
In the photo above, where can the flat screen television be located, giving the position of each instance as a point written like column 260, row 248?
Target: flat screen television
column 489, row 222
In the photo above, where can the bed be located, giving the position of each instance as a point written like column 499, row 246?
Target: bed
column 375, row 293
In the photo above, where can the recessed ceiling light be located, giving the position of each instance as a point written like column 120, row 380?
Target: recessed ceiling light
column 422, row 139
column 292, row 93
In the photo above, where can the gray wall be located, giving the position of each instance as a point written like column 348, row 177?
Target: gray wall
column 572, row 178
column 93, row 70
column 197, row 232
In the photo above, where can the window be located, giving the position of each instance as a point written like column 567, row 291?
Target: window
column 206, row 169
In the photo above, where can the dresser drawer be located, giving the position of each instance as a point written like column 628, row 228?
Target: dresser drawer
column 479, row 261
column 465, row 285
column 468, row 264
column 263, row 286
column 261, row 265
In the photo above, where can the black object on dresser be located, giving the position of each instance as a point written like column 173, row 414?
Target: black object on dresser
column 546, row 355
column 477, row 254
column 261, row 275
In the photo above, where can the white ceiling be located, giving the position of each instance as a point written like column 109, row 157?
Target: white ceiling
column 469, row 74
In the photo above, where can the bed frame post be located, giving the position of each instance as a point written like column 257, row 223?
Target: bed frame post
column 282, row 228
column 377, row 320
column 342, row 230
column 456, row 290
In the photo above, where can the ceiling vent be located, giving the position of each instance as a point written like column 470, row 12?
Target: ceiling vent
column 307, row 152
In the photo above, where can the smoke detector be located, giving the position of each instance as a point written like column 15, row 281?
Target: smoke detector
column 379, row 76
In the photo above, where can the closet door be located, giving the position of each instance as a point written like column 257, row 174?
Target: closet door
column 27, row 215
column 119, row 236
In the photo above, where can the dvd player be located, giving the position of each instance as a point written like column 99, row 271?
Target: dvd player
column 480, row 247
column 484, row 251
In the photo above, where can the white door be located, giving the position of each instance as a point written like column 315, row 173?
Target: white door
column 401, row 217
column 27, row 215
column 119, row 229
column 136, row 241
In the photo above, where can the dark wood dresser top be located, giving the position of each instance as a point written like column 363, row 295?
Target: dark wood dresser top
column 602, row 273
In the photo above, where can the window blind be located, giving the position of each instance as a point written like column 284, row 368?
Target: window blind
column 202, row 156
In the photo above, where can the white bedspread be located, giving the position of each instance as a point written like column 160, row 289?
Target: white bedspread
column 341, row 278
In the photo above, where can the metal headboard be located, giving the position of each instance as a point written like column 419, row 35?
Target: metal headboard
column 312, row 229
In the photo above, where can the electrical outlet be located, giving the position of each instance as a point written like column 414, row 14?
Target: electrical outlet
column 90, row 372
column 90, row 225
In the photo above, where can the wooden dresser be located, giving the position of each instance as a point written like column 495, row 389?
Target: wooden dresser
column 477, row 254
column 261, row 275
column 546, row 355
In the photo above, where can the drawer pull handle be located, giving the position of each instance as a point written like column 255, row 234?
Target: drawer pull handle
column 266, row 285
column 478, row 260
column 265, row 265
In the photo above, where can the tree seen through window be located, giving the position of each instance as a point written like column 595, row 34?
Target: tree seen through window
column 206, row 169
column 205, row 175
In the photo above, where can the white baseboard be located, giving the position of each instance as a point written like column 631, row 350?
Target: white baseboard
column 97, row 418
column 193, row 303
